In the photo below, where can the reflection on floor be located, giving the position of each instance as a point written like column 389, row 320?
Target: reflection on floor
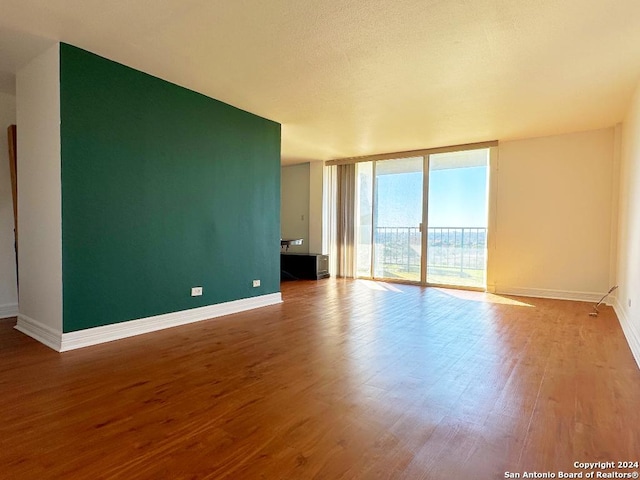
column 344, row 380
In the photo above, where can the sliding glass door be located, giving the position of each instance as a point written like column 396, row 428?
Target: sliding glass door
column 446, row 192
column 457, row 218
column 397, row 218
column 389, row 215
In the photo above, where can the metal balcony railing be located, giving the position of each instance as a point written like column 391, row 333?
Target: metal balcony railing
column 450, row 249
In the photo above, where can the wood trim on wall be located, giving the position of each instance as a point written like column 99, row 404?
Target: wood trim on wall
column 414, row 153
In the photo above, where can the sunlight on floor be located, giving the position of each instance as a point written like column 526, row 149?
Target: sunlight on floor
column 373, row 285
column 483, row 297
column 471, row 295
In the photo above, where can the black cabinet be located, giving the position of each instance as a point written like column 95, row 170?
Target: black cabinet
column 312, row 266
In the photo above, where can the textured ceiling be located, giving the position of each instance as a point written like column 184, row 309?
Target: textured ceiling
column 364, row 77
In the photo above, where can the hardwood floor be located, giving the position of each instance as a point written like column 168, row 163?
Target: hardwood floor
column 345, row 380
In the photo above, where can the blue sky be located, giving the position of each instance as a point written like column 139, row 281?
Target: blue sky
column 457, row 198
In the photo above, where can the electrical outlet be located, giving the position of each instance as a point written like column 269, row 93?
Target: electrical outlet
column 196, row 291
column 256, row 283
column 629, row 302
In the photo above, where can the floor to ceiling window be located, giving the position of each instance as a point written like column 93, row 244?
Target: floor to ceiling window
column 397, row 198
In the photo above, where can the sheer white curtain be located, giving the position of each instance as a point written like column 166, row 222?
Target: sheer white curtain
column 345, row 220
column 330, row 220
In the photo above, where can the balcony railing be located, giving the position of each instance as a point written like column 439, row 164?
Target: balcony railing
column 452, row 251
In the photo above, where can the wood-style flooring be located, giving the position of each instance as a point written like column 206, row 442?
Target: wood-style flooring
column 344, row 380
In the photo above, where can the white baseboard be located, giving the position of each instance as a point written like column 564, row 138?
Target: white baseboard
column 545, row 293
column 40, row 332
column 63, row 342
column 630, row 332
column 9, row 310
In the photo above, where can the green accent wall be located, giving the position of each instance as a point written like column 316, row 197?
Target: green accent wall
column 163, row 189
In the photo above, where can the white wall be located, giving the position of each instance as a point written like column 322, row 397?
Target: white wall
column 8, row 291
column 294, row 209
column 554, row 215
column 39, row 191
column 628, row 260
column 317, row 238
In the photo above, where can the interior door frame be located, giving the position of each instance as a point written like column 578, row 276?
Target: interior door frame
column 12, row 141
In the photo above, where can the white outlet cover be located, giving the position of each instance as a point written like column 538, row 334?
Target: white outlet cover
column 196, row 291
column 256, row 283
